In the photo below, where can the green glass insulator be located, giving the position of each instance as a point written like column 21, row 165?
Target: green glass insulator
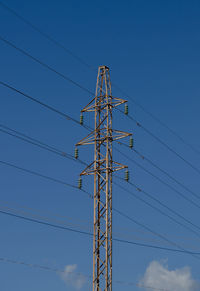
column 126, row 109
column 76, row 153
column 131, row 142
column 126, row 175
column 81, row 119
column 80, row 183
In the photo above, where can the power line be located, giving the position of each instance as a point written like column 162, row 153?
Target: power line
column 47, row 223
column 158, row 209
column 81, row 161
column 151, row 240
column 35, row 266
column 24, row 210
column 73, row 82
column 57, row 218
column 49, row 178
column 158, row 121
column 40, row 102
column 24, row 52
column 161, row 170
column 161, row 142
column 44, row 216
column 53, row 179
column 30, row 212
column 70, row 118
column 47, row 268
column 55, row 42
column 33, row 143
column 164, row 205
column 56, row 180
column 161, row 203
column 160, row 180
column 65, row 155
column 149, row 229
column 181, row 250
column 47, row 36
column 67, row 221
column 45, row 105
column 43, row 176
column 38, row 143
column 45, row 65
column 119, row 240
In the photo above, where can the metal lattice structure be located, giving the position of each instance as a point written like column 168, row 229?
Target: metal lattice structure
column 102, row 168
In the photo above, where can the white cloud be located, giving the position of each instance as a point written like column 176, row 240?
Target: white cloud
column 159, row 276
column 70, row 277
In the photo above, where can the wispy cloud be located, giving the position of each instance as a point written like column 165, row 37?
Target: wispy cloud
column 73, row 279
column 159, row 276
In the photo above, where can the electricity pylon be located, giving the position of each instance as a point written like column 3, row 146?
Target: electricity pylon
column 102, row 168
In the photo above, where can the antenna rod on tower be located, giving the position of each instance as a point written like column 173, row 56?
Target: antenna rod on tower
column 102, row 168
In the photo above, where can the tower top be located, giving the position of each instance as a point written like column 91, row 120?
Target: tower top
column 104, row 67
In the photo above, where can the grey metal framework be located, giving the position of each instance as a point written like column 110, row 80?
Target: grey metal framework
column 102, row 168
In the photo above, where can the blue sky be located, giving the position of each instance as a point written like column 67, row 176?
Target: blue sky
column 152, row 49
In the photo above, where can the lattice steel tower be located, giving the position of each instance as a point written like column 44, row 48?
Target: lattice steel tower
column 102, row 168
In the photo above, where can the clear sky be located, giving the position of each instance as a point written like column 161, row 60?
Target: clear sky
column 152, row 50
